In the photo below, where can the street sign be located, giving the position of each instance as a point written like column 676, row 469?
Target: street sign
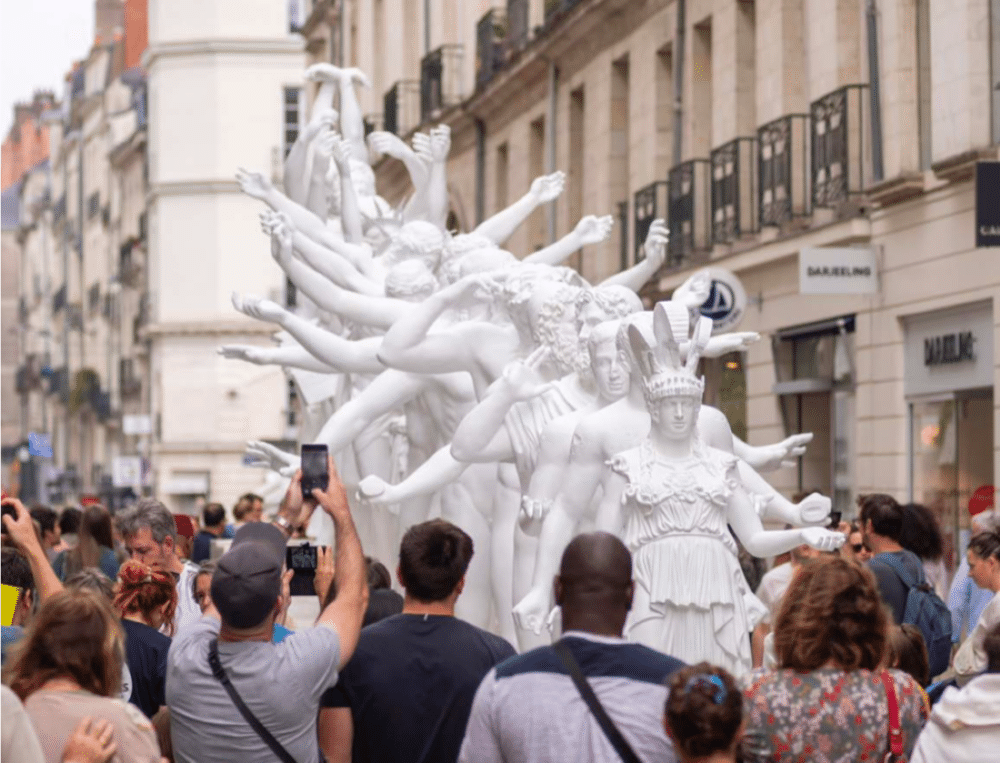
column 137, row 424
column 126, row 471
column 838, row 270
column 727, row 300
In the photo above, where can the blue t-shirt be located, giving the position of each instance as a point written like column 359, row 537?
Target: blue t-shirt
column 201, row 547
column 280, row 633
column 10, row 634
column 422, row 671
column 146, row 655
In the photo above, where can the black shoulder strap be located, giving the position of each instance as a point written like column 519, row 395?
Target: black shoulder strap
column 622, row 747
column 220, row 673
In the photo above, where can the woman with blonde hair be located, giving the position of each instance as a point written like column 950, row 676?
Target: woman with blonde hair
column 146, row 599
column 94, row 548
column 831, row 699
column 68, row 667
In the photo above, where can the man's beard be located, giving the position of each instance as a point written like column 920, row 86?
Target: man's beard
column 567, row 354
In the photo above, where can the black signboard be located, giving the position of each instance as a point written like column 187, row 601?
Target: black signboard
column 988, row 204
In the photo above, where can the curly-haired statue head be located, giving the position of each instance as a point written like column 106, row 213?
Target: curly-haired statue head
column 831, row 613
column 416, row 240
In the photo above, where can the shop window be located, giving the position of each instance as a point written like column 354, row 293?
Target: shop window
column 726, row 389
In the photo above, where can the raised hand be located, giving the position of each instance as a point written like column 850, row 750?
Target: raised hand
column 324, row 573
column 523, row 379
column 92, row 742
column 593, row 229
column 785, row 452
column 254, row 184
column 734, row 341
column 376, row 491
column 323, row 72
column 340, row 151
column 655, row 245
column 440, row 143
column 259, row 308
column 814, row 509
column 822, row 539
column 548, row 187
column 286, row 464
column 422, row 146
column 323, row 120
column 387, row 143
column 533, row 611
column 356, row 76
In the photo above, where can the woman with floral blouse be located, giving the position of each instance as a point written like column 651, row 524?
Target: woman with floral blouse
column 828, row 700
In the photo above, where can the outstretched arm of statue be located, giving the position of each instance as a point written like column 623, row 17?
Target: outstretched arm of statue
column 352, row 124
column 392, row 145
column 340, row 264
column 656, row 251
column 543, row 189
column 433, row 474
column 590, row 230
column 339, row 151
column 814, row 509
column 760, row 542
column 297, row 174
column 481, row 436
column 353, row 356
column 767, row 458
column 436, row 196
column 411, row 346
column 387, row 391
column 292, row 356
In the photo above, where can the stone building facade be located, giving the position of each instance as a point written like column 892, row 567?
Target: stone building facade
column 761, row 129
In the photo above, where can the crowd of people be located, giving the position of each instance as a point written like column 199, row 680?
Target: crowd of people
column 123, row 648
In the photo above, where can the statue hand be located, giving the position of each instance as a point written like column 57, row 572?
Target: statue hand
column 323, row 72
column 655, row 246
column 533, row 611
column 522, row 378
column 388, row 144
column 735, row 341
column 246, row 352
column 274, row 458
column 322, row 121
column 422, row 146
column 814, row 509
column 259, row 308
column 789, row 449
column 377, row 492
column 356, row 76
column 253, row 184
column 593, row 230
column 548, row 187
column 822, row 539
column 440, row 143
column 340, row 150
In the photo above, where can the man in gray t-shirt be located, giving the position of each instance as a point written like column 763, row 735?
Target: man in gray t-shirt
column 282, row 683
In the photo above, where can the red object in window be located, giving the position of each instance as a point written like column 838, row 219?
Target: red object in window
column 982, row 499
column 89, row 500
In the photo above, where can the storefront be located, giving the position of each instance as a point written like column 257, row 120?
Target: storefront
column 949, row 393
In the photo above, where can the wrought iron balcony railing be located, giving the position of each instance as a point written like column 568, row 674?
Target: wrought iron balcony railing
column 734, row 190
column 783, row 169
column 690, row 217
column 838, row 146
column 440, row 81
column 491, row 36
column 649, row 202
column 554, row 9
column 401, row 107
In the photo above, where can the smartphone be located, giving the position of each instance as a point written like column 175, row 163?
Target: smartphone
column 314, row 468
column 835, row 519
column 301, row 559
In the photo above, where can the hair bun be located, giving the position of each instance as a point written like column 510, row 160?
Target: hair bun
column 135, row 573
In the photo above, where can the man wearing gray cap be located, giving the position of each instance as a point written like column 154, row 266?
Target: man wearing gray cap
column 235, row 696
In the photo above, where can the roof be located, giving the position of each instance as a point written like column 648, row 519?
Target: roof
column 10, row 201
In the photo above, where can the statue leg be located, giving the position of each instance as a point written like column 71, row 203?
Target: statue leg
column 506, row 505
column 374, row 456
column 459, row 506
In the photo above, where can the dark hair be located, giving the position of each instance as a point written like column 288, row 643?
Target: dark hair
column 908, row 652
column 831, row 612
column 214, row 514
column 69, row 520
column 921, row 532
column 885, row 514
column 378, row 575
column 382, row 603
column 985, row 544
column 205, row 568
column 76, row 635
column 95, row 532
column 433, row 557
column 15, row 570
column 46, row 518
column 92, row 579
column 991, row 645
column 244, row 505
column 704, row 710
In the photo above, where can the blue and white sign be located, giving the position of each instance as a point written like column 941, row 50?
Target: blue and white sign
column 727, row 301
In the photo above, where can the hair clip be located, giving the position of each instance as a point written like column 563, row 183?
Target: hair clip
column 708, row 681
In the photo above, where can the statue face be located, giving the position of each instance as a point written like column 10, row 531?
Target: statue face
column 675, row 417
column 611, row 375
column 590, row 315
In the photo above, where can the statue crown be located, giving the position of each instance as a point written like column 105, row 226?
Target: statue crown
column 665, row 371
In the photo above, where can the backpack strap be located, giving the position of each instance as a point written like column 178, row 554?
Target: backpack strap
column 895, row 731
column 904, row 574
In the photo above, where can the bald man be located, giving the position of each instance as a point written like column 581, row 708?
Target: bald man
column 528, row 709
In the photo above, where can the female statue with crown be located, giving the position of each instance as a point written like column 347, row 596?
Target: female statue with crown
column 672, row 501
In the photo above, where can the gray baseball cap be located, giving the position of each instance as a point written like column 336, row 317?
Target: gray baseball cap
column 247, row 581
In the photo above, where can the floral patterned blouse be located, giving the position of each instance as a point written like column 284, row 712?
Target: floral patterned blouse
column 826, row 716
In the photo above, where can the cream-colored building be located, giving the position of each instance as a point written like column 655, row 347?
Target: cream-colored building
column 224, row 78
column 751, row 127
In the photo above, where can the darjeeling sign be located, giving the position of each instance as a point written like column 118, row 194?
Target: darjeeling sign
column 833, row 270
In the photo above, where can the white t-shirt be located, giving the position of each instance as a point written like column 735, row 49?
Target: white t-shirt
column 970, row 659
column 188, row 612
column 772, row 589
column 280, row 683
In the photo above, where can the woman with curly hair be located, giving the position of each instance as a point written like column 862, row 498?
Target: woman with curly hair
column 146, row 599
column 68, row 667
column 829, row 699
column 704, row 714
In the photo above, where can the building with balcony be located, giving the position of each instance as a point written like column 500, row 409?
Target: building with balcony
column 762, row 130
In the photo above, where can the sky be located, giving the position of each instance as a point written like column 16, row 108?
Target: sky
column 39, row 41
